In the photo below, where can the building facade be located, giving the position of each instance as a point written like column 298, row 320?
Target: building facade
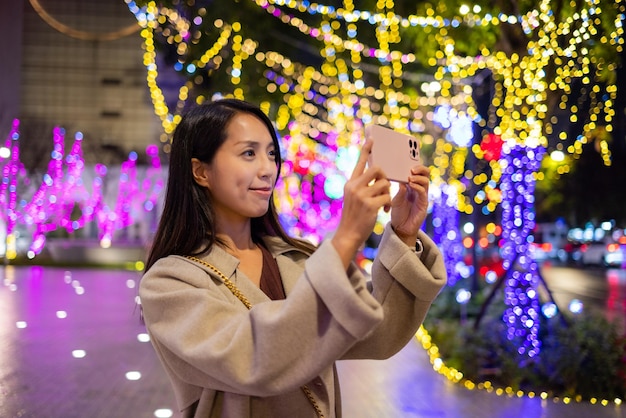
column 76, row 64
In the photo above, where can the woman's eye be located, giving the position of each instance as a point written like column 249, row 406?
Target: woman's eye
column 249, row 153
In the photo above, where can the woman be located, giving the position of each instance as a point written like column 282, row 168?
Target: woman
column 247, row 321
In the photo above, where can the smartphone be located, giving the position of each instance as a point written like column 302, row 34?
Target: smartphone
column 393, row 151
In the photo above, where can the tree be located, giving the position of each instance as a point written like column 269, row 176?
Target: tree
column 489, row 88
column 546, row 72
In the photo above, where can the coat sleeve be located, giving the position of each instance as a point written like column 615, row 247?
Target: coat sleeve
column 405, row 284
column 206, row 337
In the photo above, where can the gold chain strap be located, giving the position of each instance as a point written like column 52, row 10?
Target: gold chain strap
column 230, row 285
column 235, row 291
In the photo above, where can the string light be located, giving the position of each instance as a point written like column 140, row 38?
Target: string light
column 521, row 89
column 517, row 113
column 446, row 231
column 351, row 15
column 325, row 111
column 532, row 21
column 62, row 201
column 518, row 220
column 10, row 174
column 518, row 104
column 456, row 376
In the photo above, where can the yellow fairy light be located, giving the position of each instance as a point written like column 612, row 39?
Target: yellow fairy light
column 170, row 119
column 521, row 91
column 456, row 376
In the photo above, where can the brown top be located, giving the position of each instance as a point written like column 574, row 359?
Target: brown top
column 271, row 283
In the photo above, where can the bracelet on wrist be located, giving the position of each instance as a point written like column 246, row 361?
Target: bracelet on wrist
column 419, row 247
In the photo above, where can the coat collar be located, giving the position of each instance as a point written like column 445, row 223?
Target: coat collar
column 290, row 268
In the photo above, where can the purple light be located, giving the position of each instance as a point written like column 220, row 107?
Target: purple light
column 519, row 164
column 121, row 217
column 37, row 212
column 10, row 173
column 62, row 191
column 445, row 219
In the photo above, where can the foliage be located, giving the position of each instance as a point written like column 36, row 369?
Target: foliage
column 587, row 180
column 582, row 356
column 571, row 100
column 513, row 37
column 269, row 34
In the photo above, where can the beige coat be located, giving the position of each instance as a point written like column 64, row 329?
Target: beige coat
column 227, row 361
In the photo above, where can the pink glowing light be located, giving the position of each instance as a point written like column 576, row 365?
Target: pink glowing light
column 309, row 205
column 153, row 183
column 63, row 201
column 120, row 217
column 43, row 209
column 10, row 172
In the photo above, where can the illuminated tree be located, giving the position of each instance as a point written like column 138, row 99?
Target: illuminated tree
column 489, row 88
column 541, row 73
column 551, row 76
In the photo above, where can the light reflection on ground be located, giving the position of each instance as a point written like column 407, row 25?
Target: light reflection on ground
column 69, row 353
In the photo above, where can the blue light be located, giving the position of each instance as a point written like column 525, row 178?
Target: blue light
column 463, row 296
column 549, row 310
column 441, row 116
column 575, row 306
column 461, row 131
column 333, row 186
column 518, row 220
column 491, row 277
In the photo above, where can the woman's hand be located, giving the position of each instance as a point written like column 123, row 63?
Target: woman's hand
column 364, row 194
column 410, row 205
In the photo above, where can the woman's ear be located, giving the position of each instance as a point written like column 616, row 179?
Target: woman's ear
column 200, row 172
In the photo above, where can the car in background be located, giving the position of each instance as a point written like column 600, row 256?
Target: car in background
column 592, row 253
column 602, row 253
column 547, row 242
column 572, row 252
column 603, row 246
column 615, row 255
column 541, row 251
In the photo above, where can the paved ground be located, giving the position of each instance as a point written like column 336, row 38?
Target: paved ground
column 71, row 345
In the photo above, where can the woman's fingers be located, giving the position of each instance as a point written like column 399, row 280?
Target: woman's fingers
column 367, row 190
column 420, row 179
column 362, row 161
column 366, row 193
column 419, row 173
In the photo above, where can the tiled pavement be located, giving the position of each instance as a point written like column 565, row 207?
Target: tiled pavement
column 71, row 345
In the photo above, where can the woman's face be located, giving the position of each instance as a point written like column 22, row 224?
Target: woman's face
column 242, row 174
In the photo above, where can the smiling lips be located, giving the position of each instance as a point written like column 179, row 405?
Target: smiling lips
column 264, row 191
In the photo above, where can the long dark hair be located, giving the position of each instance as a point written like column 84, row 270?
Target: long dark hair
column 187, row 224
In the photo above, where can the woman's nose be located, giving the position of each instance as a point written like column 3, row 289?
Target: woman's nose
column 268, row 165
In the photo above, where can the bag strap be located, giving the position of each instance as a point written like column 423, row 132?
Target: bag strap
column 227, row 282
column 235, row 291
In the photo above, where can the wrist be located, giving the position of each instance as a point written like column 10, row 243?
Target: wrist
column 408, row 239
column 345, row 249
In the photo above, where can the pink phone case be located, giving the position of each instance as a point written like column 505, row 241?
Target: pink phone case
column 393, row 151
